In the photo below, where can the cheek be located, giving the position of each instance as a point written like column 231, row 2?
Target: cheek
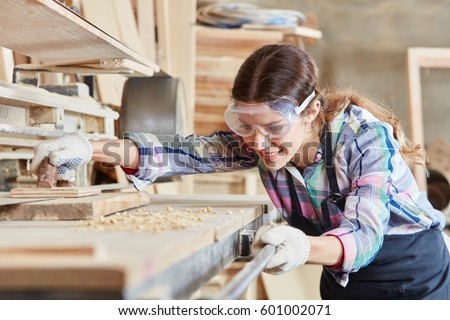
column 292, row 141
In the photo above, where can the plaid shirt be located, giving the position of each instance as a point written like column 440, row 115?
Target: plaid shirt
column 382, row 196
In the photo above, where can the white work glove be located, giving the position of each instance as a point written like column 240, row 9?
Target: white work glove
column 65, row 153
column 291, row 243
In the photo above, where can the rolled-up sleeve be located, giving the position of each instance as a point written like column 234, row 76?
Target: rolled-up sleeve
column 370, row 158
column 173, row 155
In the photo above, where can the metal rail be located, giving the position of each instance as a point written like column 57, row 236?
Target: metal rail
column 236, row 287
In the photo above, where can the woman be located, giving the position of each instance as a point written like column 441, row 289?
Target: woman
column 334, row 164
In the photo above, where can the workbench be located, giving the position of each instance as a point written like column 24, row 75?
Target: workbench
column 66, row 260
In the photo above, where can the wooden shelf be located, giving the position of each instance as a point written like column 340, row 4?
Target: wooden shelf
column 51, row 32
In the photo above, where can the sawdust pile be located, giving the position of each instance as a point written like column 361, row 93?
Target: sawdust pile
column 149, row 221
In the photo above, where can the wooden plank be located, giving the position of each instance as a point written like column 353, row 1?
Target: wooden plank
column 177, row 44
column 415, row 96
column 58, row 192
column 431, row 57
column 75, row 208
column 102, row 14
column 86, row 251
column 163, row 31
column 6, row 64
column 6, row 200
column 175, row 22
column 231, row 201
column 146, row 25
column 30, row 137
column 16, row 154
column 303, row 32
column 24, row 25
column 24, row 96
column 77, row 278
column 232, row 42
column 126, row 22
column 16, row 116
column 93, row 67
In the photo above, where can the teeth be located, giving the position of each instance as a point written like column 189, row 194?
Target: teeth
column 270, row 154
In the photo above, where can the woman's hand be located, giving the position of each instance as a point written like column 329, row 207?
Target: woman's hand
column 292, row 245
column 65, row 153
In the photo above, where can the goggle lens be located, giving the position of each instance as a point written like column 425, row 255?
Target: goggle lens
column 276, row 130
column 271, row 118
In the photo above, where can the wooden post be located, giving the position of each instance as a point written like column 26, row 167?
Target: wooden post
column 6, row 64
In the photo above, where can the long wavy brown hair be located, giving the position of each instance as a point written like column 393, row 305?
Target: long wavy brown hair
column 280, row 70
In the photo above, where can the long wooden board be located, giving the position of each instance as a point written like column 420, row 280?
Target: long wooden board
column 74, row 208
column 25, row 26
column 60, row 192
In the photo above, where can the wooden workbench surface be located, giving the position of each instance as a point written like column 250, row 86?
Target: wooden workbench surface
column 71, row 256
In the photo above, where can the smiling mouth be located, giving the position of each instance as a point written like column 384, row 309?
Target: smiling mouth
column 270, row 156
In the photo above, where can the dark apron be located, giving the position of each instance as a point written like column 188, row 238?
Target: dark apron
column 412, row 266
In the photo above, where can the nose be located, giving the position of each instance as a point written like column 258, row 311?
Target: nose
column 260, row 140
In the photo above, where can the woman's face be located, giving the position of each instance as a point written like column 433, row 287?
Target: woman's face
column 277, row 152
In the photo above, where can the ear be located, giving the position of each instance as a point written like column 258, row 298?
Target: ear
column 313, row 111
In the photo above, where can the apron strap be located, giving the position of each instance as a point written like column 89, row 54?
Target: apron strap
column 335, row 195
column 297, row 218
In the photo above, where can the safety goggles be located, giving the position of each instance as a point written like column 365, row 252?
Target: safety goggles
column 272, row 118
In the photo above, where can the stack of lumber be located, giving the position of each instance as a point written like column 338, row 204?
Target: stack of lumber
column 220, row 53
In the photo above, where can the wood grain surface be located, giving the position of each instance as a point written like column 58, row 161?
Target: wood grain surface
column 51, row 32
column 73, row 208
column 56, row 192
column 122, row 261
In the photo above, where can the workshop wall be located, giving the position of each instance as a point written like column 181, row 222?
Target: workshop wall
column 364, row 47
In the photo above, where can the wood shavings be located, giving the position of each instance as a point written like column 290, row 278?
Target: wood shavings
column 149, row 221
